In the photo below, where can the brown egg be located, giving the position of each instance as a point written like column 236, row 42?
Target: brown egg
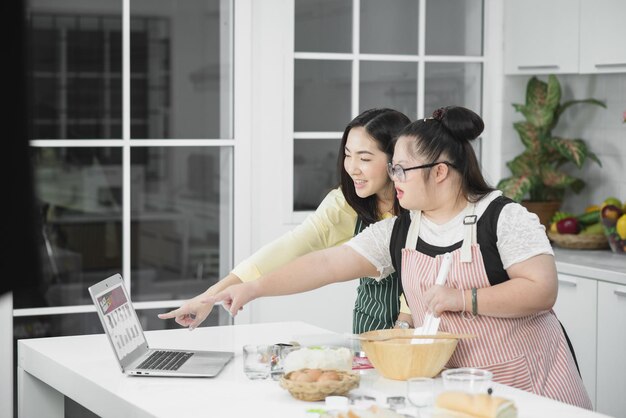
column 304, row 376
column 295, row 375
column 314, row 374
column 328, row 375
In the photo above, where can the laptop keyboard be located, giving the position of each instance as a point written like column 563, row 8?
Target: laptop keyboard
column 165, row 360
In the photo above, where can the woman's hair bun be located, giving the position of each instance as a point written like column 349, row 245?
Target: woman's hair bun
column 439, row 113
column 462, row 123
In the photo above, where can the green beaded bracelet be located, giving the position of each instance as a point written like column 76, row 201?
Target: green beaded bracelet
column 474, row 301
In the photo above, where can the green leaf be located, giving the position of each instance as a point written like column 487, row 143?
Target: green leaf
column 556, row 179
column 551, row 154
column 522, row 165
column 553, row 95
column 529, row 136
column 536, row 92
column 575, row 150
column 593, row 157
column 538, row 116
column 577, row 185
column 519, row 107
column 566, row 105
column 538, row 99
column 515, row 187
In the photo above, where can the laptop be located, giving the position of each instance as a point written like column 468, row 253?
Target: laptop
column 126, row 336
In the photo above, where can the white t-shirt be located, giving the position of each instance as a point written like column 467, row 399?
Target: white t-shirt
column 520, row 236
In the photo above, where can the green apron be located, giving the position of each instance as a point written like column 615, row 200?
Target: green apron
column 377, row 303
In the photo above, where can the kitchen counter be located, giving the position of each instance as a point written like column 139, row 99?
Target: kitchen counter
column 603, row 265
column 83, row 368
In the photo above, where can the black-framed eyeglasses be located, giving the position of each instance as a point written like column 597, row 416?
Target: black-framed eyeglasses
column 399, row 172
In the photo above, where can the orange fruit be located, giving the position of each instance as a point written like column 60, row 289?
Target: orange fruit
column 620, row 227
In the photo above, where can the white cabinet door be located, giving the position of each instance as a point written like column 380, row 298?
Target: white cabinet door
column 541, row 37
column 611, row 349
column 602, row 35
column 576, row 308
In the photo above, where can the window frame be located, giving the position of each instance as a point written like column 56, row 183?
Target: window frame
column 238, row 29
column 292, row 216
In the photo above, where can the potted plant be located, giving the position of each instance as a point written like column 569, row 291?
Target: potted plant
column 537, row 173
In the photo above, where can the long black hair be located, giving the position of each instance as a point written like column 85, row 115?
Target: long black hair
column 383, row 125
column 449, row 132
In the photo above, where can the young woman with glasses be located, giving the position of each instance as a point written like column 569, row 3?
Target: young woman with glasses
column 365, row 196
column 501, row 284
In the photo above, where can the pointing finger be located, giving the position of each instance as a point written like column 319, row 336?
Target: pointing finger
column 235, row 307
column 168, row 315
column 196, row 321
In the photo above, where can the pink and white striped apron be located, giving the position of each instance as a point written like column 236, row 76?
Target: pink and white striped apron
column 529, row 353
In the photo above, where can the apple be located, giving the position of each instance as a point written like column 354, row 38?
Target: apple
column 568, row 226
column 610, row 214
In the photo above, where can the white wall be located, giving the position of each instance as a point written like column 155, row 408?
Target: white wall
column 602, row 129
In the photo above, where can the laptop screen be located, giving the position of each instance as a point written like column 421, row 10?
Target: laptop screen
column 120, row 321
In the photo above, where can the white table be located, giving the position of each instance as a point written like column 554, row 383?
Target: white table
column 84, row 369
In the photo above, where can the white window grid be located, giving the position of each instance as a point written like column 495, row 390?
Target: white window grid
column 126, row 144
column 355, row 58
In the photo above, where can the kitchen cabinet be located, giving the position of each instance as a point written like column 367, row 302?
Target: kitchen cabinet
column 602, row 35
column 541, row 37
column 611, row 382
column 564, row 36
column 576, row 308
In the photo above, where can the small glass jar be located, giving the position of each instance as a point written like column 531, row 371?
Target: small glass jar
column 467, row 379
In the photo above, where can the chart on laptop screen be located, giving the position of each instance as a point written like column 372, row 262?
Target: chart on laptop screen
column 120, row 321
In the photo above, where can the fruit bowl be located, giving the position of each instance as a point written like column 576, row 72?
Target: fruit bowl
column 578, row 241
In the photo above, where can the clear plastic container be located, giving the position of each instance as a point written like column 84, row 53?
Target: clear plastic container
column 467, row 380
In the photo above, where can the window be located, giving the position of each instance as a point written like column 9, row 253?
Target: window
column 410, row 55
column 76, row 75
column 133, row 149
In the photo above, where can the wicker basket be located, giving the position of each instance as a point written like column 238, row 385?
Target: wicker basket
column 579, row 242
column 318, row 391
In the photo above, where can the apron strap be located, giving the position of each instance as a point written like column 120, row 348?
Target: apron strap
column 414, row 230
column 469, row 226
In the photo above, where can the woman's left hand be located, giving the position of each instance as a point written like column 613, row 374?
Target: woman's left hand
column 235, row 297
column 441, row 299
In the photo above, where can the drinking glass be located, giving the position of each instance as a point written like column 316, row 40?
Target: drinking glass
column 257, row 361
column 420, row 391
column 279, row 352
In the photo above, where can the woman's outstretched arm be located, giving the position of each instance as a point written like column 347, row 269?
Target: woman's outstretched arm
column 312, row 271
